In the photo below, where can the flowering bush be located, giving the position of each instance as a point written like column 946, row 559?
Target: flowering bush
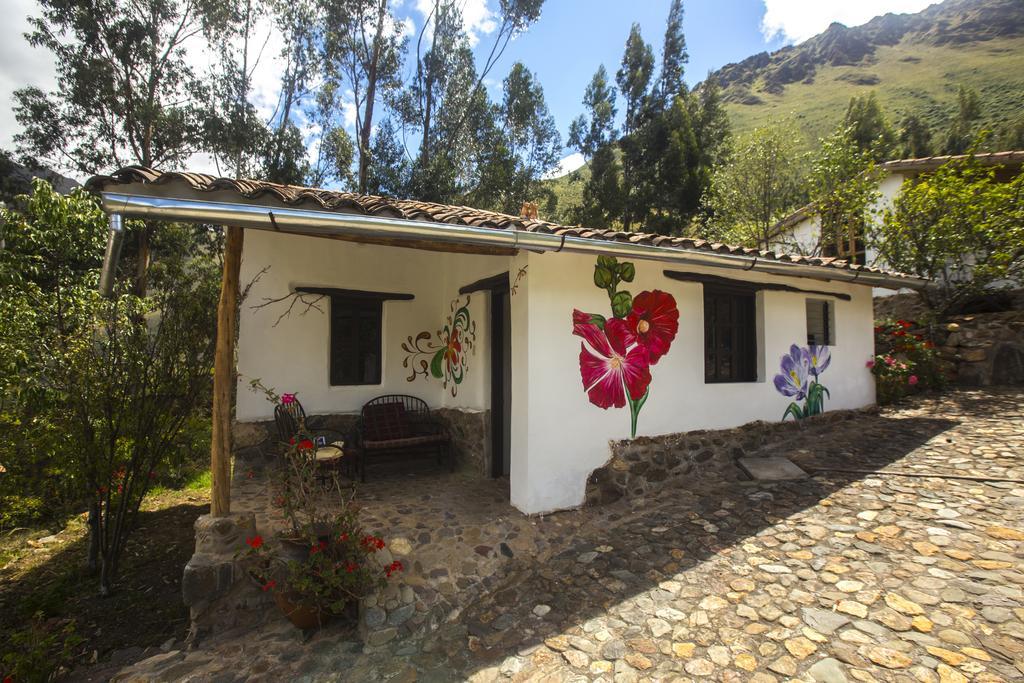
column 904, row 362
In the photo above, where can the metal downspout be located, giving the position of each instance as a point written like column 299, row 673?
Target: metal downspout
column 115, row 237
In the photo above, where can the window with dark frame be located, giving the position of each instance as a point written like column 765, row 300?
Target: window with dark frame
column 820, row 323
column 355, row 340
column 730, row 335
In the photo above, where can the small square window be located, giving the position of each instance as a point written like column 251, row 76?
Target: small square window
column 821, row 322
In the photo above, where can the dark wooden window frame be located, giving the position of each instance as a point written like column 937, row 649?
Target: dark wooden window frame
column 743, row 348
column 827, row 320
column 360, row 302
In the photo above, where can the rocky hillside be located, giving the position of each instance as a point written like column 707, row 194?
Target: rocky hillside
column 914, row 62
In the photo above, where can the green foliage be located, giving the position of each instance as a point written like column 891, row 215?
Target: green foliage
column 762, row 182
column 99, row 395
column 39, row 651
column 595, row 130
column 915, row 138
column 959, row 227
column 868, row 128
column 843, row 184
column 904, row 362
column 634, row 77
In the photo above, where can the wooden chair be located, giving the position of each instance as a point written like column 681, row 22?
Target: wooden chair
column 397, row 423
column 291, row 417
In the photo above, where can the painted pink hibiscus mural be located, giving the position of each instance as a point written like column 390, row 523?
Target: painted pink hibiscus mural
column 617, row 353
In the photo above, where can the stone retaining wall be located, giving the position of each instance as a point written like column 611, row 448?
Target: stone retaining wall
column 638, row 466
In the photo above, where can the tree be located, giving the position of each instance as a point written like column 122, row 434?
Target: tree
column 843, row 185
column 1011, row 135
column 589, row 132
column 962, row 133
column 761, row 184
column 363, row 50
column 126, row 93
column 108, row 397
column 388, row 172
column 673, row 57
column 634, row 78
column 915, row 138
column 959, row 227
column 868, row 127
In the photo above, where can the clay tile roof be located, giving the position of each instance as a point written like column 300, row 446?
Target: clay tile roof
column 1013, row 158
column 371, row 205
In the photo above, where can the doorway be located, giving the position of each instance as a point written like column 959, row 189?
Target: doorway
column 501, row 381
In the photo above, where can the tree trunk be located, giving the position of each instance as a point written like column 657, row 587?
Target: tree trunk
column 224, row 374
column 94, row 538
column 142, row 262
column 371, row 95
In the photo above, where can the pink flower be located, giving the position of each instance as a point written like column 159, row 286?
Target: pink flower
column 287, row 398
column 654, row 321
column 889, row 360
column 912, row 380
column 611, row 362
column 870, row 364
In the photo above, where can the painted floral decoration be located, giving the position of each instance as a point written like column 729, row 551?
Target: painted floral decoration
column 799, row 379
column 444, row 357
column 617, row 353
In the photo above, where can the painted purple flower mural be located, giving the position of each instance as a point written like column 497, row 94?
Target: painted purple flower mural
column 792, row 381
column 799, row 379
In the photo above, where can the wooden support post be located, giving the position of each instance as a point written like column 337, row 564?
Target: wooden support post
column 224, row 375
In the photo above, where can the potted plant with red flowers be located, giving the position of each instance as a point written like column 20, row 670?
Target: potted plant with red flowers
column 325, row 562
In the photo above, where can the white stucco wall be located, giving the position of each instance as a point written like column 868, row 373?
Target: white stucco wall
column 558, row 436
column 568, row 436
column 805, row 236
column 293, row 356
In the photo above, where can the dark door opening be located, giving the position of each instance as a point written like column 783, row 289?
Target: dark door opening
column 501, row 384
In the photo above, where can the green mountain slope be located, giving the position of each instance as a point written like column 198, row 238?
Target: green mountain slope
column 913, row 62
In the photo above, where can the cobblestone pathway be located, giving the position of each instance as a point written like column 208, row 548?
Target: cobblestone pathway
column 845, row 576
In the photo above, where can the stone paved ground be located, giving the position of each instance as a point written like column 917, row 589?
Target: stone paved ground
column 841, row 577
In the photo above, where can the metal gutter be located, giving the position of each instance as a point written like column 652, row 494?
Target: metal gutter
column 115, row 237
column 328, row 223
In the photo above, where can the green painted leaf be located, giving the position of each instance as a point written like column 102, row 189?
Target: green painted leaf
column 622, row 304
column 634, row 409
column 793, row 410
column 437, row 364
column 627, row 271
column 607, row 262
column 603, row 277
column 597, row 319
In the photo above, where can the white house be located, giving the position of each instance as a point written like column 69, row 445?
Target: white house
column 569, row 336
column 800, row 232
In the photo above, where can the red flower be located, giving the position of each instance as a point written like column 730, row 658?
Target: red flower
column 878, row 329
column 899, row 333
column 654, row 321
column 395, row 566
column 305, row 445
column 373, row 543
column 912, row 380
column 255, row 542
column 319, row 547
column 351, row 566
column 611, row 362
column 344, row 537
column 287, row 399
column 904, row 324
column 269, row 585
column 454, row 348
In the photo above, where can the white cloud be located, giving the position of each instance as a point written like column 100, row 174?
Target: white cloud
column 21, row 64
column 566, row 165
column 477, row 18
column 798, row 20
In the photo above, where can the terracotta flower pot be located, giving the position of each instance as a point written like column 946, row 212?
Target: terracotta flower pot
column 302, row 615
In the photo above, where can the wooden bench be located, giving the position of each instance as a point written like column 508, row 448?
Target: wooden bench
column 396, row 424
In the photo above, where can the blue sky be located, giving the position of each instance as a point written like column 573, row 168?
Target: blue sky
column 564, row 47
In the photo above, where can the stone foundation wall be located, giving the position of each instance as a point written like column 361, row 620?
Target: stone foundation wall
column 470, row 430
column 640, row 465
